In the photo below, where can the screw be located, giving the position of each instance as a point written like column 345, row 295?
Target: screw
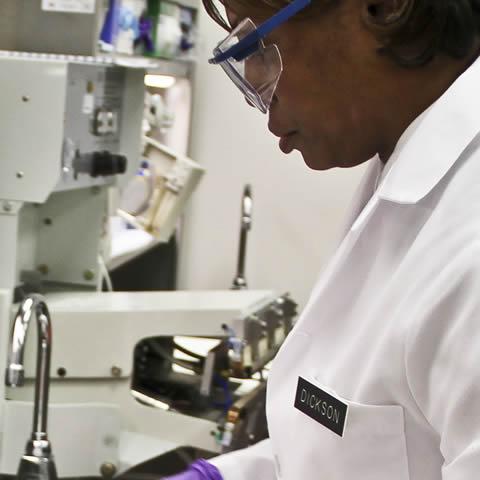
column 116, row 371
column 43, row 269
column 20, row 174
column 47, row 221
column 25, row 98
column 62, row 372
column 7, row 206
column 108, row 470
column 88, row 275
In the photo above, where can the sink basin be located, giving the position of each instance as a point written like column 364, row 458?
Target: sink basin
column 170, row 463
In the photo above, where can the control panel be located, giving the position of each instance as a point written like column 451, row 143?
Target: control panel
column 94, row 104
column 72, row 123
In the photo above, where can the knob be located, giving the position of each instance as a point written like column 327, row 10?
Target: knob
column 106, row 163
column 100, row 164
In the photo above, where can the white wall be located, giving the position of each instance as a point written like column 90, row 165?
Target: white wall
column 297, row 212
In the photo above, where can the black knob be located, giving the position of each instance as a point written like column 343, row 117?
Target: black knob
column 106, row 163
column 100, row 164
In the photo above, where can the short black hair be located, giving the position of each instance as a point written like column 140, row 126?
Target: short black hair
column 412, row 34
column 419, row 30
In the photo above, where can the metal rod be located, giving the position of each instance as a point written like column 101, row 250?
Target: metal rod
column 240, row 282
column 42, row 382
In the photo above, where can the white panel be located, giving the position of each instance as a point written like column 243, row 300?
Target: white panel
column 156, row 430
column 146, row 431
column 83, row 436
column 136, row 448
column 8, row 246
column 26, row 240
column 31, row 135
column 107, row 326
column 297, row 212
column 72, row 227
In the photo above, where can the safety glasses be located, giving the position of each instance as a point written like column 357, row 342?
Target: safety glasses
column 254, row 67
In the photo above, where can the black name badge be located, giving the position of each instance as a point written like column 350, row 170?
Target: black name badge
column 321, row 406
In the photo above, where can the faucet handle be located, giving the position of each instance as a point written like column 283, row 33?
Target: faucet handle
column 14, row 375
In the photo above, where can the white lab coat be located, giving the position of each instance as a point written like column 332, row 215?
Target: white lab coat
column 393, row 326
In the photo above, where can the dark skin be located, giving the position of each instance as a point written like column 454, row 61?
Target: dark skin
column 339, row 102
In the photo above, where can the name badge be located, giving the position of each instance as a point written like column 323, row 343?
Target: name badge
column 321, row 406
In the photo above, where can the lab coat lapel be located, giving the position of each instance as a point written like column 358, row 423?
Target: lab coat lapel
column 363, row 194
column 363, row 205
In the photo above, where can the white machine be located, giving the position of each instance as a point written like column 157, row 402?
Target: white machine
column 123, row 386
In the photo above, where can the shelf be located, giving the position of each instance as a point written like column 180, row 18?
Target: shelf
column 127, row 244
column 176, row 67
column 119, row 260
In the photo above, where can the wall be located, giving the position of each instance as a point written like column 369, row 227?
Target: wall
column 297, row 212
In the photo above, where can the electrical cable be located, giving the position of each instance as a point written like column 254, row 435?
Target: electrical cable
column 104, row 274
column 188, row 352
column 160, row 352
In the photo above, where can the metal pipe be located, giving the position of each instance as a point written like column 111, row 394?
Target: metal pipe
column 240, row 283
column 38, row 446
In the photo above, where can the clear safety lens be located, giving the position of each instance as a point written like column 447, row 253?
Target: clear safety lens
column 258, row 74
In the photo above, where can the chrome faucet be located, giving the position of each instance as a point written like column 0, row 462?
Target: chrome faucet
column 37, row 463
column 239, row 282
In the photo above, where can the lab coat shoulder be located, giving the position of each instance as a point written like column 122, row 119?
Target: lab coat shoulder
column 459, row 193
column 443, row 340
column 255, row 462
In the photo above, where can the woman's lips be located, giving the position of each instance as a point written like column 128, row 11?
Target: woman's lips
column 286, row 142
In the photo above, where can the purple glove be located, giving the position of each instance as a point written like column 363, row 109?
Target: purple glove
column 199, row 470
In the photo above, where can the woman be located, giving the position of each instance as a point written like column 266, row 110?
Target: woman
column 380, row 377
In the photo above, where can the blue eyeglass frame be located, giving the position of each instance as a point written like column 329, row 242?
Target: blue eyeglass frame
column 248, row 45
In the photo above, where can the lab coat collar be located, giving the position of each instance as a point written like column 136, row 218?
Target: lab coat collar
column 434, row 141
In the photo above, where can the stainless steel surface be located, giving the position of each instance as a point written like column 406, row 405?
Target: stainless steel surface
column 38, row 460
column 239, row 281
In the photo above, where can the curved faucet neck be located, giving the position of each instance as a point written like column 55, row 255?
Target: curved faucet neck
column 32, row 305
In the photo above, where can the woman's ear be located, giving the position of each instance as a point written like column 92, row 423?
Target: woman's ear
column 383, row 12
